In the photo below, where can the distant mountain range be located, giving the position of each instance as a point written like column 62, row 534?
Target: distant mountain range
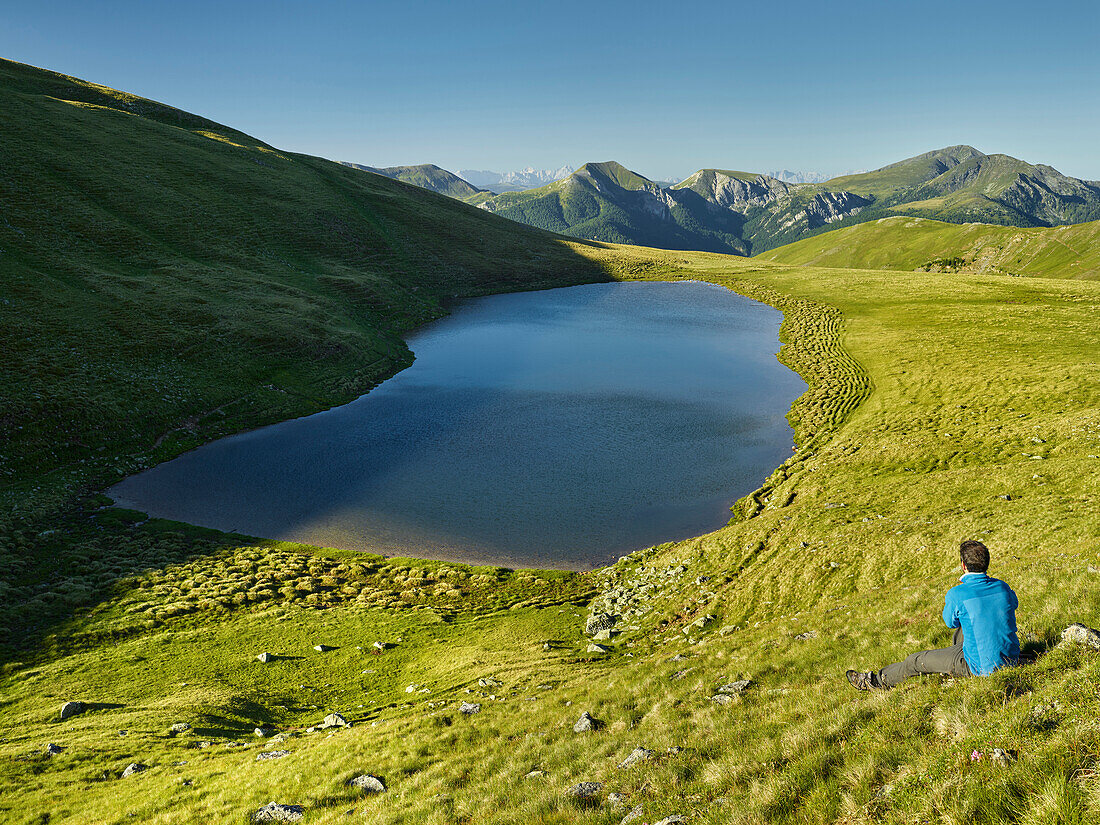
column 787, row 176
column 746, row 213
column 528, row 178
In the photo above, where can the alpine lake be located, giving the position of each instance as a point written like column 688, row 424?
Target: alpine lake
column 552, row 429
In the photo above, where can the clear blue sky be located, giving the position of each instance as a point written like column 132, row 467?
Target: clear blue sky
column 662, row 87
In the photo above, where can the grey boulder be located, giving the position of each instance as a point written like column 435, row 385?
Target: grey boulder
column 1079, row 634
column 333, row 720
column 586, row 723
column 266, row 755
column 735, row 688
column 274, row 812
column 597, row 622
column 585, row 790
column 637, row 755
column 368, row 784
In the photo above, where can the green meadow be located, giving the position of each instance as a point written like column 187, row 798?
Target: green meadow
column 162, row 287
column 933, row 246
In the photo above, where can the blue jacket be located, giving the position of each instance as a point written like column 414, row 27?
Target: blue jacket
column 985, row 609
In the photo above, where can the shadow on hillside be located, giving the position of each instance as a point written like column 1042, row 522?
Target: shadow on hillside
column 73, row 569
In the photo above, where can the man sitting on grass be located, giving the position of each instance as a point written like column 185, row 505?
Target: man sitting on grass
column 983, row 612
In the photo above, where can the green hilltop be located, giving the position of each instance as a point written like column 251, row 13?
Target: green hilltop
column 428, row 176
column 917, row 243
column 165, row 280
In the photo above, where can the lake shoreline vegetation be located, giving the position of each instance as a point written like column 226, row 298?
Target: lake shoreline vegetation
column 941, row 405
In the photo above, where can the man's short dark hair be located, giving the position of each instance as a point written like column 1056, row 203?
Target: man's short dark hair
column 975, row 556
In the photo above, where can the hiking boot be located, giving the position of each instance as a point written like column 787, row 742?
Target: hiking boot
column 863, row 680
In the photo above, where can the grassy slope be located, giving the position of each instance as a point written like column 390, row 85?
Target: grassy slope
column 912, row 243
column 925, row 407
column 168, row 278
column 900, row 177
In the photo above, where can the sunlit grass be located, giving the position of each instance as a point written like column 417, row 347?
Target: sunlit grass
column 941, row 406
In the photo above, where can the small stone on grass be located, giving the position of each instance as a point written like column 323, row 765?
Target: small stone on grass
column 275, row 812
column 368, row 783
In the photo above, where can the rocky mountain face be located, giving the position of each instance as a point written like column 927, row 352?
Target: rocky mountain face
column 734, row 190
column 712, row 210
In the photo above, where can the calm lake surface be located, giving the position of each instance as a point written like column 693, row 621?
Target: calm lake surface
column 553, row 429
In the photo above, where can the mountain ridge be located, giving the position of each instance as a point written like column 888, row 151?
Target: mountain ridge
column 748, row 213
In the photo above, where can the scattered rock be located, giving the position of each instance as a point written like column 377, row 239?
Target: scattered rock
column 634, row 815
column 53, row 750
column 999, row 756
column 723, row 699
column 72, row 709
column 488, row 683
column 595, row 648
column 263, row 757
column 675, row 749
column 599, row 621
column 728, row 630
column 412, row 688
column 1080, row 634
column 274, row 812
column 132, row 768
column 702, row 623
column 679, row 657
column 262, row 733
column 535, row 774
column 605, row 635
column 333, row 720
column 637, row 755
column 735, row 688
column 323, row 648
column 586, row 723
column 671, row 820
column 809, row 634
column 266, row 657
column 469, row 708
column 178, row 728
column 546, row 647
column 368, row 784
column 585, row 790
column 380, row 646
